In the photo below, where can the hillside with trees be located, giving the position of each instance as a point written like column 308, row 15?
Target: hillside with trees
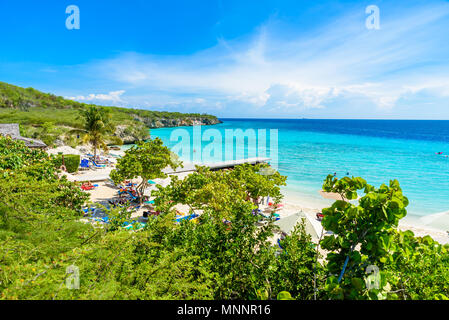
column 50, row 118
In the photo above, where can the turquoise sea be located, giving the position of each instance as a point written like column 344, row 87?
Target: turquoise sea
column 309, row 150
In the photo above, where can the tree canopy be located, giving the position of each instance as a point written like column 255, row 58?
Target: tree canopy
column 365, row 239
column 145, row 160
column 97, row 125
column 228, row 253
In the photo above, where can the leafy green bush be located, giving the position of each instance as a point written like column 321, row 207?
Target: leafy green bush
column 296, row 269
column 226, row 253
column 72, row 162
column 368, row 258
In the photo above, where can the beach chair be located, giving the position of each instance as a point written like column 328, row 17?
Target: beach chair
column 87, row 188
column 186, row 217
column 84, row 165
column 103, row 161
column 134, row 225
column 128, row 195
column 130, row 184
column 275, row 207
column 133, row 197
column 279, row 243
column 275, row 215
column 88, row 211
column 97, row 165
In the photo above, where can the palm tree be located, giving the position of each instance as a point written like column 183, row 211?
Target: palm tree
column 96, row 127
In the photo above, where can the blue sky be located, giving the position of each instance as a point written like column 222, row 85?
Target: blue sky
column 282, row 59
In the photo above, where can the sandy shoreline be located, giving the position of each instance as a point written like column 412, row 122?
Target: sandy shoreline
column 433, row 225
column 290, row 206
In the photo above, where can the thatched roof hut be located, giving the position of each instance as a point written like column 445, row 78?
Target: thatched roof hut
column 12, row 130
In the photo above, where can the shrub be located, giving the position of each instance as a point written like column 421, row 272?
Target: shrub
column 296, row 268
column 71, row 161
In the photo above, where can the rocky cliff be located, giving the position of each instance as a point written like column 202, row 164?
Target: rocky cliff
column 130, row 134
column 166, row 122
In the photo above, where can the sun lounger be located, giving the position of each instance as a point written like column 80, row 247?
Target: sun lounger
column 275, row 215
column 279, row 243
column 186, row 217
column 88, row 211
column 97, row 165
column 84, row 164
column 133, row 197
column 135, row 225
column 101, row 219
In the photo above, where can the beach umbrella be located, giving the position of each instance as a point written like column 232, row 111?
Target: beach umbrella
column 287, row 224
column 437, row 221
column 162, row 182
column 69, row 176
column 331, row 195
column 64, row 150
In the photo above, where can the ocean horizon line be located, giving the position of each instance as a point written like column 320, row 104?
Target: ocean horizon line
column 329, row 119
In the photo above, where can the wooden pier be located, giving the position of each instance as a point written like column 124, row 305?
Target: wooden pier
column 218, row 165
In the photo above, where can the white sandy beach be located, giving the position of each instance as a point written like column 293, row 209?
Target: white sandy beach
column 436, row 228
column 291, row 206
column 433, row 225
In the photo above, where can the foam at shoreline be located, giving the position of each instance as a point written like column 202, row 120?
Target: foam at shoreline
column 434, row 225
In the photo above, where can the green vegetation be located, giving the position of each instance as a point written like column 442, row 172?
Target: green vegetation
column 365, row 237
column 96, row 127
column 145, row 160
column 51, row 118
column 71, row 162
column 226, row 253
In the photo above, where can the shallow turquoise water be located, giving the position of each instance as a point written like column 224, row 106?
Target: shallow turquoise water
column 308, row 150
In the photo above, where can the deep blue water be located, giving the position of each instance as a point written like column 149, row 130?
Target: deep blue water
column 377, row 150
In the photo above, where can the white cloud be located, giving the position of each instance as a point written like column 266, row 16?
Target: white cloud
column 297, row 96
column 113, row 96
column 341, row 62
